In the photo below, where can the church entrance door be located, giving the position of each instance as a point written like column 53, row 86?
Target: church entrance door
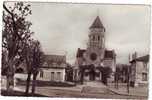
column 92, row 74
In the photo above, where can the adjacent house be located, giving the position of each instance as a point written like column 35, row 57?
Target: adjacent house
column 53, row 68
column 139, row 70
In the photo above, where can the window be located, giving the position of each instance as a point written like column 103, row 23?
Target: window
column 58, row 75
column 144, row 76
column 144, row 66
column 93, row 38
column 41, row 74
column 98, row 38
column 93, row 56
column 52, row 76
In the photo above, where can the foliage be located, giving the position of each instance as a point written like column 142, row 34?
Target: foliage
column 69, row 73
column 122, row 71
column 16, row 32
column 17, row 44
column 34, row 59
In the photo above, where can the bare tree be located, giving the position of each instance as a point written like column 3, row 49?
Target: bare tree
column 16, row 32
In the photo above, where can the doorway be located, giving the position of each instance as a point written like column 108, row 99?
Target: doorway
column 92, row 74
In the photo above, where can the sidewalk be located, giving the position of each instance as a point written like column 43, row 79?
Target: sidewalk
column 133, row 91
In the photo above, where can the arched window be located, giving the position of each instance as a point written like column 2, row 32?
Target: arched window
column 93, row 38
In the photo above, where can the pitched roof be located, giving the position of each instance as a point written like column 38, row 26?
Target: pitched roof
column 143, row 58
column 97, row 23
column 55, row 58
column 80, row 52
column 54, row 61
column 109, row 54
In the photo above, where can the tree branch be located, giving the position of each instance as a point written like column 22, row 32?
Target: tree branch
column 14, row 24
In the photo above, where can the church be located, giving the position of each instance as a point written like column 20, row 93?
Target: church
column 90, row 61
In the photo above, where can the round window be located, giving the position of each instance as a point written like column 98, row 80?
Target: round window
column 93, row 56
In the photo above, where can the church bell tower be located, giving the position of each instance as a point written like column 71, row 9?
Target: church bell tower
column 96, row 43
column 96, row 36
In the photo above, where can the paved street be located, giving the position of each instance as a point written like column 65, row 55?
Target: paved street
column 92, row 89
column 88, row 90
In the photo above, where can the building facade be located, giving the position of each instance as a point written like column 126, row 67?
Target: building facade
column 139, row 70
column 53, row 68
column 95, row 57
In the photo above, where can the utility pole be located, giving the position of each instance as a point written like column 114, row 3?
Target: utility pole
column 128, row 72
column 116, row 77
column 128, row 75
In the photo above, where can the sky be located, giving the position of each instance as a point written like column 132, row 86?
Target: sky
column 62, row 28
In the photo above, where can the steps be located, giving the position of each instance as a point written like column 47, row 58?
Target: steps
column 95, row 88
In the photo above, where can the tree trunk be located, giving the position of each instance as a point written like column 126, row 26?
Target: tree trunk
column 10, row 83
column 34, row 84
column 10, row 77
column 28, row 83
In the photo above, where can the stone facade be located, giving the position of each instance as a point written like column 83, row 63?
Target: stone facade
column 95, row 55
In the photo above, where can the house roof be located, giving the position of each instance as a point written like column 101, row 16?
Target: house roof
column 54, row 61
column 97, row 23
column 142, row 58
column 109, row 54
column 80, row 52
column 55, row 58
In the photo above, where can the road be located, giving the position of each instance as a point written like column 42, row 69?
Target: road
column 88, row 90
column 77, row 94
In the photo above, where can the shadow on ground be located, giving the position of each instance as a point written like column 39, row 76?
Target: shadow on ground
column 20, row 94
column 41, row 83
